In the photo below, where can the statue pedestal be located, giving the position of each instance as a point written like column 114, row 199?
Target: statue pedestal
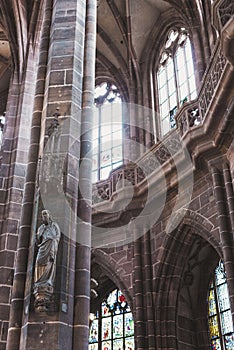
column 42, row 294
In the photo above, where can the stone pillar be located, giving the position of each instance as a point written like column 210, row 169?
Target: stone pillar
column 63, row 90
column 27, row 208
column 13, row 169
column 148, row 295
column 138, row 290
column 83, row 251
column 223, row 191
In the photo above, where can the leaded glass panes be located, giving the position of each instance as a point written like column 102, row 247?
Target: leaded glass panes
column 129, row 325
column 93, row 332
column 93, row 346
column 220, row 317
column 115, row 324
column 106, row 328
column 229, row 342
column 107, row 131
column 106, row 345
column 226, row 322
column 212, row 303
column 118, row 344
column 215, row 344
column 105, row 309
column 214, row 327
column 129, row 343
column 175, row 76
column 223, row 297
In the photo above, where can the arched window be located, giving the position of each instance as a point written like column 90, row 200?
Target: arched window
column 175, row 77
column 107, row 132
column 219, row 313
column 112, row 327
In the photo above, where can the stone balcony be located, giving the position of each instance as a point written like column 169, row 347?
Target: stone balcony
column 200, row 123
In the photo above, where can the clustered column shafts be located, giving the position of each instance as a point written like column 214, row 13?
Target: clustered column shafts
column 148, row 291
column 27, row 209
column 83, row 251
column 230, row 203
column 138, row 291
column 224, row 204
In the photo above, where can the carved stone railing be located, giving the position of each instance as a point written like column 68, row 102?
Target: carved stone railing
column 225, row 11
column 193, row 113
column 190, row 116
column 134, row 174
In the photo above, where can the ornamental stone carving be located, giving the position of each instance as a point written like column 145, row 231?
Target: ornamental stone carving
column 47, row 240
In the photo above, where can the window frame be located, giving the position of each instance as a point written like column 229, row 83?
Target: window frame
column 169, row 53
column 217, row 312
column 99, row 103
column 124, row 309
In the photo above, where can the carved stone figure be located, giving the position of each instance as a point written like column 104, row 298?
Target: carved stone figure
column 47, row 240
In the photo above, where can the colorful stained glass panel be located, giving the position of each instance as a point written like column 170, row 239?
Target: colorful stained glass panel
column 129, row 325
column 106, row 345
column 223, row 297
column 106, row 328
column 215, row 344
column 214, row 329
column 129, row 343
column 105, row 310
column 226, row 322
column 93, row 332
column 93, row 346
column 229, row 342
column 118, row 344
column 121, row 299
column 220, row 276
column 111, row 300
column 212, row 305
column 118, row 326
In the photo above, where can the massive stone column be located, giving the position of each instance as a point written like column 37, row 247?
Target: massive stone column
column 14, row 159
column 223, row 191
column 83, row 251
column 67, row 43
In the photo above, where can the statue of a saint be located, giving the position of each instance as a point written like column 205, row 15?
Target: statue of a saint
column 47, row 240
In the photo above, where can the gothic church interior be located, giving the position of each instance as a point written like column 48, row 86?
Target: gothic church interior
column 117, row 174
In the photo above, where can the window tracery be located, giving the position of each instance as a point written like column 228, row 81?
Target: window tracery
column 107, row 131
column 219, row 313
column 112, row 327
column 175, row 77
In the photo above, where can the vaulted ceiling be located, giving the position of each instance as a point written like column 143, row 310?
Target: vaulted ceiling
column 125, row 28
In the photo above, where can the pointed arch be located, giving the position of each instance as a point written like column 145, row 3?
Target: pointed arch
column 114, row 272
column 194, row 234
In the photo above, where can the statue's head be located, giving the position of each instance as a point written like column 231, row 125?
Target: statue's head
column 46, row 217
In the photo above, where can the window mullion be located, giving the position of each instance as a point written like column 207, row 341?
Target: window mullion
column 100, row 328
column 168, row 101
column 186, row 69
column 218, row 316
column 176, row 78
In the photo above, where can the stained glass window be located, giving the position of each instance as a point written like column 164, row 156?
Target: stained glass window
column 114, row 329
column 219, row 313
column 107, row 131
column 175, row 76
